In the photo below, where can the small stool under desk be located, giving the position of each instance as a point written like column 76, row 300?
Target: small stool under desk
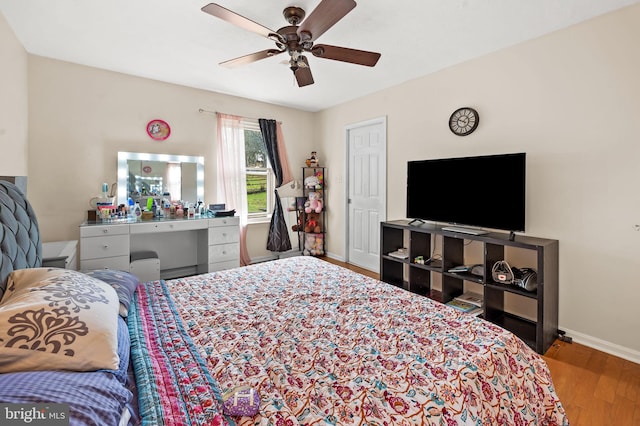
column 145, row 265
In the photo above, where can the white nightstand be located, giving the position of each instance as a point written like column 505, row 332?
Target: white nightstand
column 60, row 254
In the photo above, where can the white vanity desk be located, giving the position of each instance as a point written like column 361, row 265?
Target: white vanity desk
column 184, row 246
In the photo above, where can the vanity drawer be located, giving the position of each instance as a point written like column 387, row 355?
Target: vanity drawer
column 225, row 221
column 224, row 252
column 224, row 234
column 108, row 246
column 119, row 263
column 100, row 230
column 186, row 225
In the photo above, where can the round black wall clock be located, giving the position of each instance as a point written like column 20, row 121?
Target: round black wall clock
column 464, row 121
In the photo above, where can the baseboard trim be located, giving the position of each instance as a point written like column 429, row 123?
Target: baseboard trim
column 604, row 346
column 275, row 256
column 185, row 271
column 335, row 257
column 290, row 253
column 261, row 259
column 342, row 259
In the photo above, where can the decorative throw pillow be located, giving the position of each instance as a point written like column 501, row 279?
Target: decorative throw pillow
column 58, row 319
column 123, row 283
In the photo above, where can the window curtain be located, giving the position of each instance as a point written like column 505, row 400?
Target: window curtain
column 278, row 238
column 231, row 174
column 284, row 160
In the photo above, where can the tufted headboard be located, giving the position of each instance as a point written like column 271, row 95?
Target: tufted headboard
column 19, row 235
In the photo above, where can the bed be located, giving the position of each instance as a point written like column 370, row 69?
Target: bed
column 320, row 345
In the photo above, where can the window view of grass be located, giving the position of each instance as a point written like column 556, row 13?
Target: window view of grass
column 256, row 193
column 256, row 164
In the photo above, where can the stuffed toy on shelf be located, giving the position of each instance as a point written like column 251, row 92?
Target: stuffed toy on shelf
column 318, row 174
column 312, row 182
column 314, row 203
column 313, row 244
column 313, row 160
column 312, row 223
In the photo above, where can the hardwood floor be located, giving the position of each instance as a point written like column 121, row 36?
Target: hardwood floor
column 596, row 389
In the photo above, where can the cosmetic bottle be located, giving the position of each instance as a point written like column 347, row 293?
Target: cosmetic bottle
column 137, row 211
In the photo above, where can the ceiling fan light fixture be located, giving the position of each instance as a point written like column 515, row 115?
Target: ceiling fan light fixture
column 317, row 51
column 293, row 65
column 305, row 36
column 273, row 52
column 299, row 61
column 277, row 38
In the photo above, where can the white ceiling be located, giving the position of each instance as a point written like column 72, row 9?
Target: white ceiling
column 174, row 41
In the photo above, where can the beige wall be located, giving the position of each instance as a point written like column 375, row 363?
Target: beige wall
column 571, row 100
column 13, row 103
column 80, row 117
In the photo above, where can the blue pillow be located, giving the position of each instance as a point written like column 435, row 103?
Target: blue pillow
column 94, row 397
column 123, row 283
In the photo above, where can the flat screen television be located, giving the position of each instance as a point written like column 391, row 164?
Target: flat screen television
column 481, row 192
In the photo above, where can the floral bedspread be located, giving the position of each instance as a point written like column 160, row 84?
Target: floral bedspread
column 324, row 345
column 172, row 381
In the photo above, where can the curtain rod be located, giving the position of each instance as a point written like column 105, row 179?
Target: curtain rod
column 205, row 111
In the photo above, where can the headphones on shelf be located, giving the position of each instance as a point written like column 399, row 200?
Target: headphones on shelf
column 526, row 278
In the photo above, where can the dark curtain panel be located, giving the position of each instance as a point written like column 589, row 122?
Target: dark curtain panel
column 278, row 239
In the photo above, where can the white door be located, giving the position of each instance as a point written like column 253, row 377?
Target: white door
column 366, row 191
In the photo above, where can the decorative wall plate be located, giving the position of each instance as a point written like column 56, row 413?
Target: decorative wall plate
column 158, row 130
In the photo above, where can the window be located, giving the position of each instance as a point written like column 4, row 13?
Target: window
column 260, row 179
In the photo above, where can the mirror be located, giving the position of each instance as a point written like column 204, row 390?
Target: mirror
column 141, row 175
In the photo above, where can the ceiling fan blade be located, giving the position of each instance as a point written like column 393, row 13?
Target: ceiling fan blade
column 238, row 20
column 253, row 57
column 323, row 17
column 303, row 73
column 344, row 54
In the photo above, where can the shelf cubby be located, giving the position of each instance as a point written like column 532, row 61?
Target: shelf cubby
column 539, row 334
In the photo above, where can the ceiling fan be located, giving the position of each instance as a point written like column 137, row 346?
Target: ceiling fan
column 298, row 37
